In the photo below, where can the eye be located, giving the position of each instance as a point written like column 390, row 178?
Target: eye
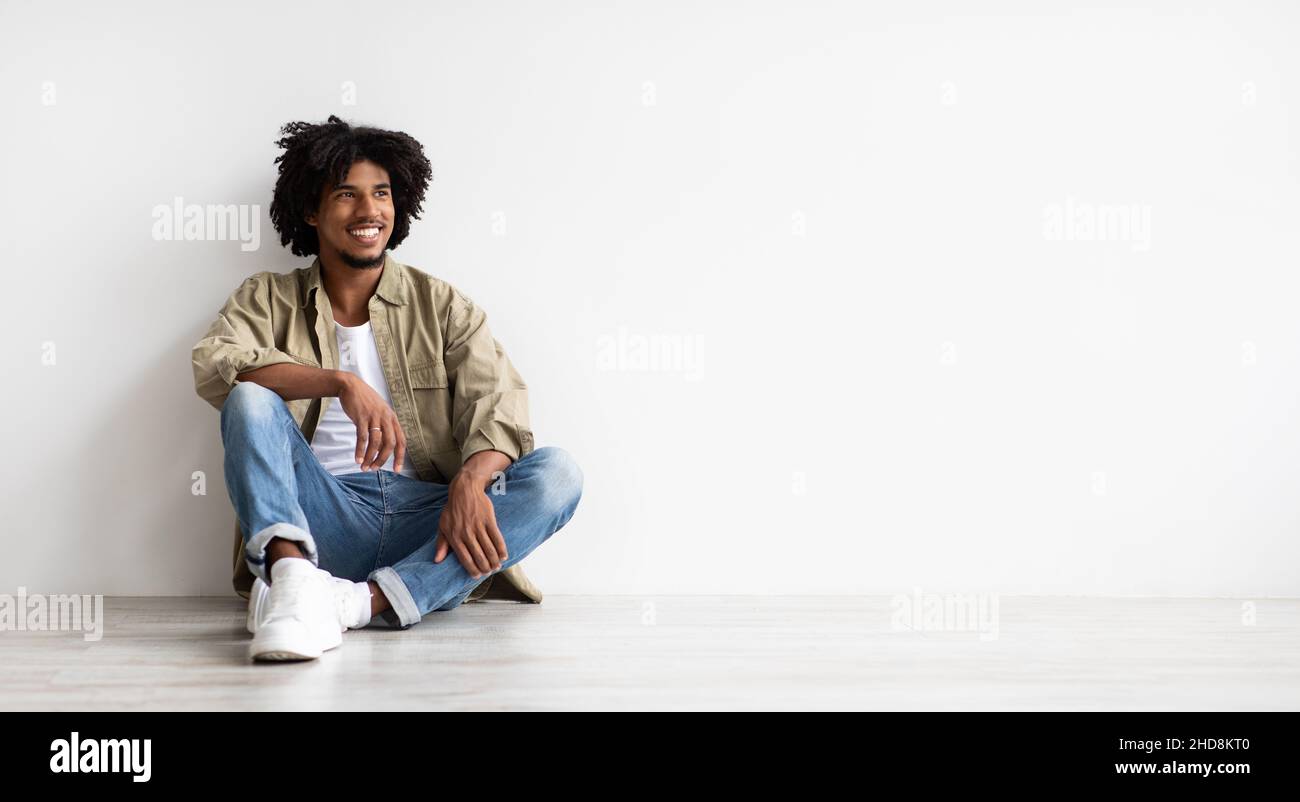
column 382, row 192
column 341, row 194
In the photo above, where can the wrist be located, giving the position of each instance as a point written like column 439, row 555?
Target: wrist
column 341, row 380
column 470, row 480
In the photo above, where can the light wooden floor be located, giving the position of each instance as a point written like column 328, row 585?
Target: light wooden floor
column 677, row 653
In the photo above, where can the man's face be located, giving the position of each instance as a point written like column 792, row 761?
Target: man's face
column 355, row 218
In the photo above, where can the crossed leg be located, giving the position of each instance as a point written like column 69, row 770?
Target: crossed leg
column 377, row 526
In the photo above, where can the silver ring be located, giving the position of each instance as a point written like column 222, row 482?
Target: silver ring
column 376, row 429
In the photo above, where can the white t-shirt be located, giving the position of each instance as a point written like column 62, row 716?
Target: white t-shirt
column 335, row 439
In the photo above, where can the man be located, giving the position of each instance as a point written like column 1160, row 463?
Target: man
column 372, row 425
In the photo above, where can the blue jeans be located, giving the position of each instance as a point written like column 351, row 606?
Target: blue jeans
column 374, row 525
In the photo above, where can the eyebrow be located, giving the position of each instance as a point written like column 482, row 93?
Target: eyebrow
column 337, row 187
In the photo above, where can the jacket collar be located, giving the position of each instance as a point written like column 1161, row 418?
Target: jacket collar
column 392, row 286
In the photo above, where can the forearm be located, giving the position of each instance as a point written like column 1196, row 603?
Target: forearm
column 478, row 471
column 293, row 382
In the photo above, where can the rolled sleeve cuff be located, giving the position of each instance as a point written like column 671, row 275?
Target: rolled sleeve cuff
column 512, row 441
column 231, row 365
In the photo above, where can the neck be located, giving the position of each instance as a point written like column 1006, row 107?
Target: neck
column 349, row 288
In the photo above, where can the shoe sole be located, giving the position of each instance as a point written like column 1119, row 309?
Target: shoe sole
column 283, row 653
column 282, row 656
column 282, row 649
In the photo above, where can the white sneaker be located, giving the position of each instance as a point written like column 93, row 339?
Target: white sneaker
column 301, row 618
column 354, row 611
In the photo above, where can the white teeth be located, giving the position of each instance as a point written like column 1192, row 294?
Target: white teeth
column 365, row 232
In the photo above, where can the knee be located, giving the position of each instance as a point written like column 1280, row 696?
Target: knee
column 250, row 402
column 561, row 477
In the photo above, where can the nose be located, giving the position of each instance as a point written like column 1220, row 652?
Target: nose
column 369, row 208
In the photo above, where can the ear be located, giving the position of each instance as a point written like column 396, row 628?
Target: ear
column 311, row 220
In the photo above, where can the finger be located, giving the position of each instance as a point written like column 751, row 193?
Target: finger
column 386, row 451
column 363, row 433
column 372, row 449
column 498, row 537
column 489, row 548
column 476, row 549
column 489, row 545
column 399, row 455
column 391, row 431
column 373, row 440
column 440, row 548
column 466, row 559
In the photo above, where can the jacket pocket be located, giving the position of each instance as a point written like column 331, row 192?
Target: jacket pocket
column 429, row 375
column 432, row 394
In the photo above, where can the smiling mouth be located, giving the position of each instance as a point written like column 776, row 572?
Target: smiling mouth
column 366, row 235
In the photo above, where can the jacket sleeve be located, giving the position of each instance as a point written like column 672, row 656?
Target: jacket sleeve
column 489, row 397
column 240, row 339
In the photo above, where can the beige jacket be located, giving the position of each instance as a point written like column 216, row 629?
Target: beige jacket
column 454, row 390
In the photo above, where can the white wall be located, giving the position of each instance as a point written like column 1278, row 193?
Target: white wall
column 843, row 206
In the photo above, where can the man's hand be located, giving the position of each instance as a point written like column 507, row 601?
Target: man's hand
column 379, row 435
column 468, row 524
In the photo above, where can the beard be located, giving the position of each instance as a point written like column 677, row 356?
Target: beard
column 362, row 262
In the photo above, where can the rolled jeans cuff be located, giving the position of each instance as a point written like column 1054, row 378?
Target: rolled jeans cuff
column 255, row 549
column 399, row 598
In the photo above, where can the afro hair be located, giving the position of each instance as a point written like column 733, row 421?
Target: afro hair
column 316, row 153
